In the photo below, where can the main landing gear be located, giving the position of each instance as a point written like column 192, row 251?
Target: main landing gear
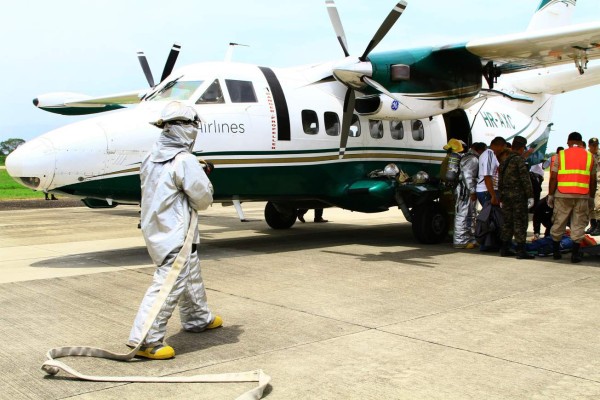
column 429, row 222
column 280, row 217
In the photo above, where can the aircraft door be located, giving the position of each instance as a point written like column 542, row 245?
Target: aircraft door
column 458, row 126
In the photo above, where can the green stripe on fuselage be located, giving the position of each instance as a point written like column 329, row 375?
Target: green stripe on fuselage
column 325, row 182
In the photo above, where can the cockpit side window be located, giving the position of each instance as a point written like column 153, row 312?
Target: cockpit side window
column 212, row 95
column 241, row 91
column 176, row 90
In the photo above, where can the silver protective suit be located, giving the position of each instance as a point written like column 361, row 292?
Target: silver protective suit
column 465, row 207
column 173, row 182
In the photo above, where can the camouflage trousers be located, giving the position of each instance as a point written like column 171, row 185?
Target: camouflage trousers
column 596, row 211
column 516, row 219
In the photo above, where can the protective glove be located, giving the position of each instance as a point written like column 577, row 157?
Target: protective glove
column 529, row 202
column 207, row 166
column 551, row 201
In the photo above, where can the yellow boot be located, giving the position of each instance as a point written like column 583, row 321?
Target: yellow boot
column 157, row 352
column 217, row 322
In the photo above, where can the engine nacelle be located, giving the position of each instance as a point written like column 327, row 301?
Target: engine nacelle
column 385, row 108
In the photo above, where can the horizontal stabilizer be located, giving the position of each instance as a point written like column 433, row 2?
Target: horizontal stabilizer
column 562, row 81
column 510, row 96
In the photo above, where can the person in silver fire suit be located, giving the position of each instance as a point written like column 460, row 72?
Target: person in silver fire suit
column 173, row 183
column 466, row 199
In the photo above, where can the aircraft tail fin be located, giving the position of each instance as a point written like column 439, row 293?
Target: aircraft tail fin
column 552, row 14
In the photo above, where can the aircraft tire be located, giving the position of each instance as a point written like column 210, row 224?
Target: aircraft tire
column 430, row 223
column 280, row 218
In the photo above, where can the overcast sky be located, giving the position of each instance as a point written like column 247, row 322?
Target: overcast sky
column 90, row 47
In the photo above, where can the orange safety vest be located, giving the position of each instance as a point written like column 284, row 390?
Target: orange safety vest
column 574, row 171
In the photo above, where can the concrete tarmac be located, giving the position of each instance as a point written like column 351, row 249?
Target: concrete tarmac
column 351, row 309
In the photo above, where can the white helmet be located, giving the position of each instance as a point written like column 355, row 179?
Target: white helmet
column 177, row 111
column 391, row 170
column 420, row 177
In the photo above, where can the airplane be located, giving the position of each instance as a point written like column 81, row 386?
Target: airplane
column 364, row 133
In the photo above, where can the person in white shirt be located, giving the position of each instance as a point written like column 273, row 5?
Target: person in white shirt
column 487, row 180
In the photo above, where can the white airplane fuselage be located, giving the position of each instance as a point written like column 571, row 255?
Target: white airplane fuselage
column 257, row 158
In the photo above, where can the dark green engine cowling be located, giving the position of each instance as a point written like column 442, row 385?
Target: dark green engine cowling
column 429, row 74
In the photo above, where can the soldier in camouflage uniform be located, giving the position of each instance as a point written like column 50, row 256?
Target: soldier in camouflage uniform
column 594, row 229
column 516, row 196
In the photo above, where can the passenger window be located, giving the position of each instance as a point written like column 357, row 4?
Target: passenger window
column 332, row 124
column 397, row 130
column 354, row 127
column 241, row 91
column 418, row 131
column 212, row 95
column 376, row 128
column 310, row 122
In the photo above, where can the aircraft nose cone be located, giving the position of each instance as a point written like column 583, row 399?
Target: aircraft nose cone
column 33, row 164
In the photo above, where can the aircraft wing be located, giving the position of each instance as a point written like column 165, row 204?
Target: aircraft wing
column 68, row 103
column 540, row 49
column 120, row 98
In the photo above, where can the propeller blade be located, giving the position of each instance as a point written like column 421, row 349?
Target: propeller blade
column 385, row 28
column 379, row 87
column 146, row 68
column 349, row 101
column 334, row 16
column 170, row 64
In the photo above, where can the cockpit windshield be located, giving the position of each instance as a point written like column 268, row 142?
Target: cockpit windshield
column 176, row 90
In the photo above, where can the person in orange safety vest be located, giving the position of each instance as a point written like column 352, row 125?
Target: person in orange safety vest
column 571, row 189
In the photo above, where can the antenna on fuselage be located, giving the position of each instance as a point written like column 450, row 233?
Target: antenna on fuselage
column 229, row 54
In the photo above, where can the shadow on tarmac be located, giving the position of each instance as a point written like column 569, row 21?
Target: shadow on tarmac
column 135, row 256
column 190, row 342
column 299, row 238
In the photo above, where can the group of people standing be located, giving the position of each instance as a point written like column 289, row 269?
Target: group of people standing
column 498, row 177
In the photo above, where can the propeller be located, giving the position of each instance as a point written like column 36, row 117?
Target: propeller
column 349, row 101
column 334, row 16
column 169, row 65
column 385, row 28
column 358, row 75
column 146, row 68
